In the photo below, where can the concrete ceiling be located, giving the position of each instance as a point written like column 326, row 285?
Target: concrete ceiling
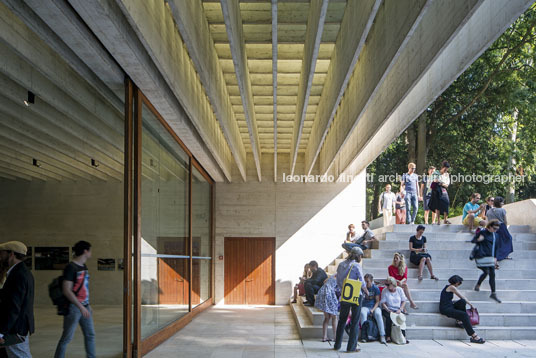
column 328, row 83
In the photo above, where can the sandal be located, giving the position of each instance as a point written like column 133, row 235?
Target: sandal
column 480, row 340
column 447, row 222
column 414, row 306
column 434, row 278
column 477, row 288
column 419, row 277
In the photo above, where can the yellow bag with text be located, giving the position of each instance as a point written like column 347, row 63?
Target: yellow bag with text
column 351, row 289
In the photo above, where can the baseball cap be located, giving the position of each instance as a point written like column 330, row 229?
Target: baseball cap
column 15, row 246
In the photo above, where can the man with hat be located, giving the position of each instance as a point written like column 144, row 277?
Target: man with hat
column 350, row 268
column 16, row 297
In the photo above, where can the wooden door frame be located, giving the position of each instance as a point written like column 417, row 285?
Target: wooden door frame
column 273, row 257
column 133, row 345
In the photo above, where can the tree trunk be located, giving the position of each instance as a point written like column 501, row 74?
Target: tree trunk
column 510, row 197
column 374, row 204
column 411, row 141
column 422, row 149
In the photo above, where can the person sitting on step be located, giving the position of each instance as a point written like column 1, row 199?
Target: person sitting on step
column 456, row 309
column 393, row 300
column 313, row 284
column 299, row 288
column 419, row 254
column 471, row 212
column 370, row 306
column 364, row 242
column 399, row 271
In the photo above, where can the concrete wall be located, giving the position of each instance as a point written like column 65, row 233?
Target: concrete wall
column 308, row 220
column 60, row 214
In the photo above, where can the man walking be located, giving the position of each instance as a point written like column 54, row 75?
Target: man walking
column 76, row 289
column 351, row 265
column 313, row 284
column 386, row 205
column 409, row 184
column 16, row 301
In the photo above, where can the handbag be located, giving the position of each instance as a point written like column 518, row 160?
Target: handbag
column 351, row 289
column 487, row 261
column 474, row 317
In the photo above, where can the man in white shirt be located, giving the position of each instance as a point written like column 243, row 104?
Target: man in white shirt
column 386, row 205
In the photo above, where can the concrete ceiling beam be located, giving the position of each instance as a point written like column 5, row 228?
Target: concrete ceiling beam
column 394, row 25
column 274, row 80
column 61, row 29
column 10, row 153
column 142, row 37
column 235, row 33
column 46, row 63
column 451, row 37
column 194, row 29
column 313, row 35
column 32, row 141
column 23, row 148
column 356, row 23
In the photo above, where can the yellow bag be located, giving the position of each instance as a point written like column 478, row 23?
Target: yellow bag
column 351, row 289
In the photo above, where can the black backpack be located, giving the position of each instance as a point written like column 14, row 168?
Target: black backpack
column 369, row 331
column 55, row 292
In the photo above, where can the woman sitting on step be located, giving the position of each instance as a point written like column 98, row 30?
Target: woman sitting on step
column 393, row 301
column 399, row 271
column 299, row 288
column 419, row 254
column 456, row 309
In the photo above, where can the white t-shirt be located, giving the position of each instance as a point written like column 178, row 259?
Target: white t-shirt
column 387, row 200
column 393, row 300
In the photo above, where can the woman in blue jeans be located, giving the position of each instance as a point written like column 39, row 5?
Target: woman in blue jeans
column 371, row 306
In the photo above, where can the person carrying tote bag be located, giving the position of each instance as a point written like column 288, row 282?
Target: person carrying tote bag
column 488, row 262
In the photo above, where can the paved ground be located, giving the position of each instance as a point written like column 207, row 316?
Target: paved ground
column 237, row 331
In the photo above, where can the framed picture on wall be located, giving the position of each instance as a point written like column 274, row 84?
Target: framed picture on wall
column 120, row 264
column 51, row 258
column 28, row 260
column 106, row 264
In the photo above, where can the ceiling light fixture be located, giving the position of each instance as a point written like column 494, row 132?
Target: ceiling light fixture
column 31, row 99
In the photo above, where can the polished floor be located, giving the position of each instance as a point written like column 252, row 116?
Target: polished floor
column 258, row 332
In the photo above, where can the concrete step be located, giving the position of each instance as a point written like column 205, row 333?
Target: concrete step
column 507, row 295
column 447, row 254
column 450, row 228
column 402, row 236
column 524, row 264
column 448, row 245
column 454, row 333
column 465, row 273
column 504, row 284
column 485, row 306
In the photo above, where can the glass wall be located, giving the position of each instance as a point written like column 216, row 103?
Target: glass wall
column 165, row 243
column 201, row 238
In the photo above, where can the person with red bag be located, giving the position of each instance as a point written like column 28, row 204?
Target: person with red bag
column 457, row 310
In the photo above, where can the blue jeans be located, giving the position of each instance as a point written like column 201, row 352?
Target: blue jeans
column 69, row 326
column 412, row 206
column 348, row 246
column 21, row 350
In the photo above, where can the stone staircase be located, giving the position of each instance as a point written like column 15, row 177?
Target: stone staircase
column 449, row 245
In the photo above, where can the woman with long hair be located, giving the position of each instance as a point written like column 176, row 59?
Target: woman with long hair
column 399, row 271
column 504, row 239
column 299, row 288
column 487, row 240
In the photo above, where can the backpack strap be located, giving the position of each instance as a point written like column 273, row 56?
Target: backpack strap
column 81, row 284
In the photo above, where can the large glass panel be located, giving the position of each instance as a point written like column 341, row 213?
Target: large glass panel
column 164, row 226
column 201, row 238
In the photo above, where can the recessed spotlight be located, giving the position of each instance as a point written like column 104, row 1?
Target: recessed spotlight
column 31, row 99
column 36, row 163
column 95, row 163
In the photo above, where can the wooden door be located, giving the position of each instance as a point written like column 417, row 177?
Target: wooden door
column 173, row 286
column 249, row 271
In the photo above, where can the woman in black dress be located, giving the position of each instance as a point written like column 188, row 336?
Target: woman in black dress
column 440, row 202
column 457, row 310
column 419, row 255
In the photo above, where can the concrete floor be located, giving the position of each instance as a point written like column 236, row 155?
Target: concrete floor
column 238, row 331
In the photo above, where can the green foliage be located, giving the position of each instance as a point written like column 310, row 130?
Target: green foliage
column 471, row 123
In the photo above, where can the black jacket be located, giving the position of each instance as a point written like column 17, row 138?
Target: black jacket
column 16, row 302
column 318, row 277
